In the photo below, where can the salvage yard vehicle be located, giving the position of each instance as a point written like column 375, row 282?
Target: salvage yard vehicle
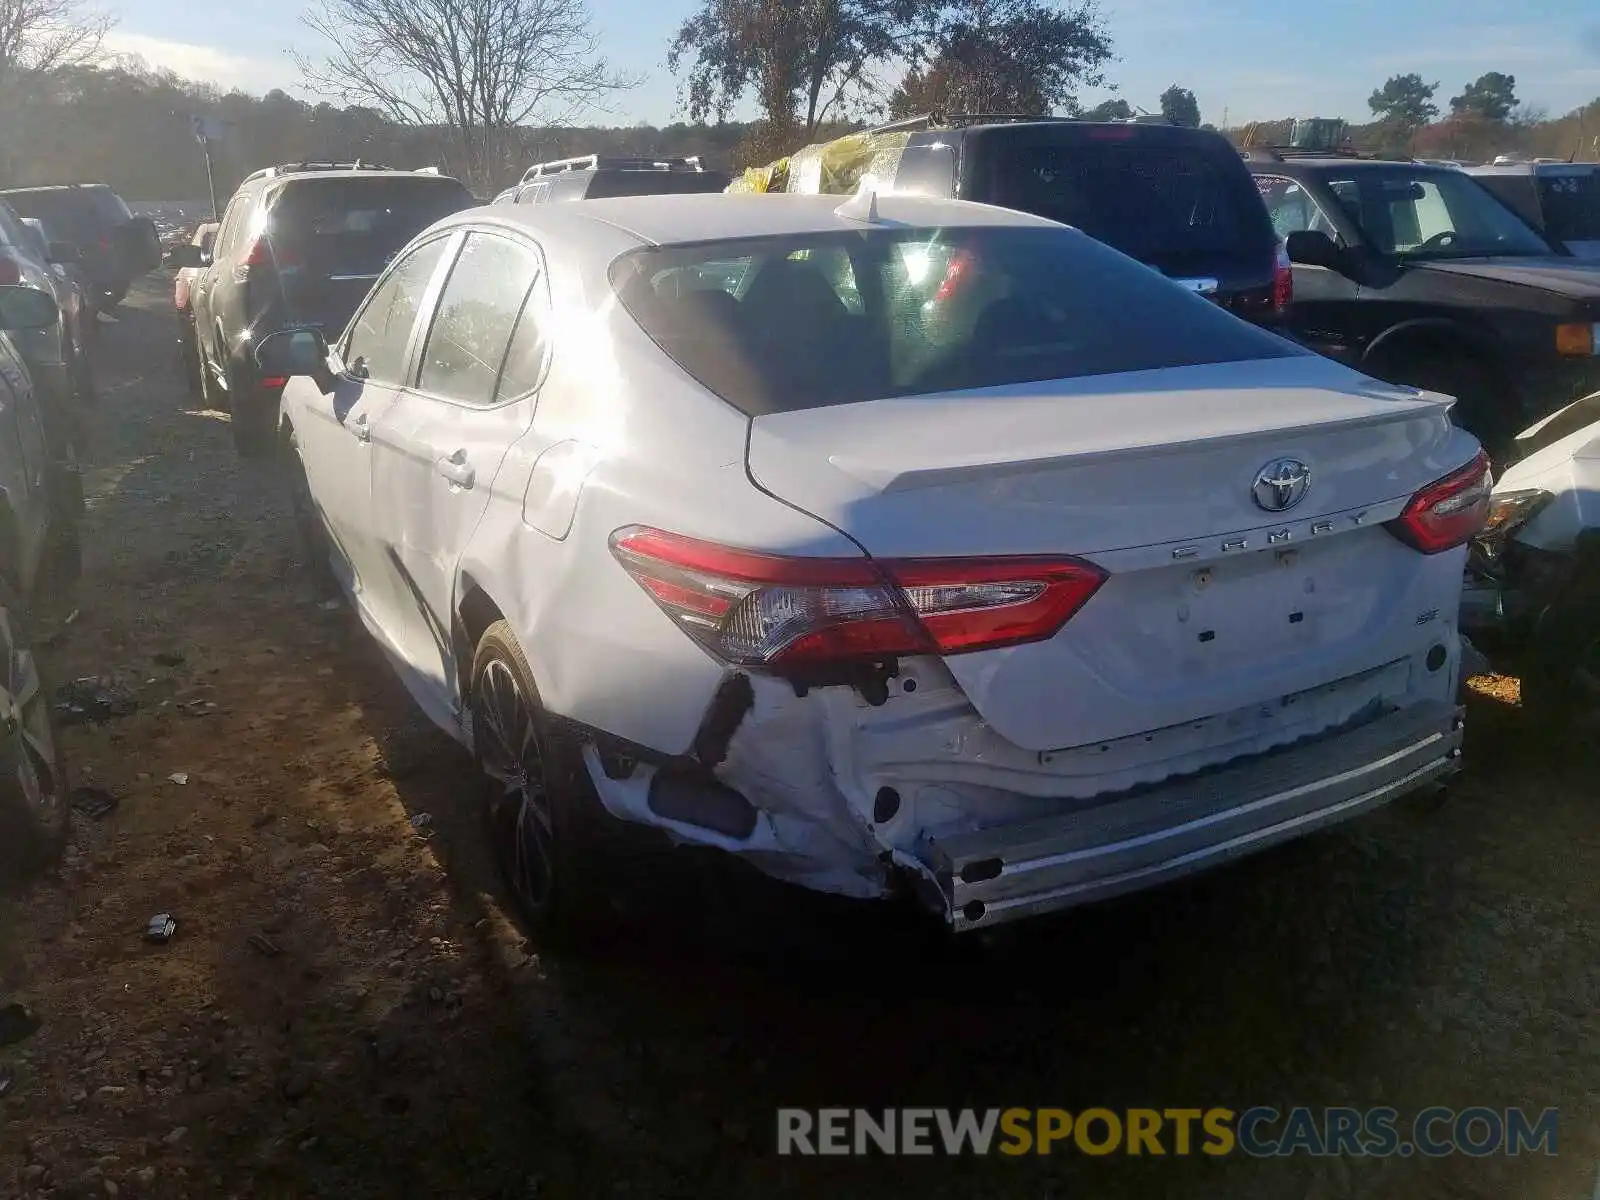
column 896, row 546
column 1562, row 199
column 204, row 238
column 1177, row 199
column 1420, row 275
column 116, row 247
column 596, row 176
column 299, row 245
column 38, row 566
column 1533, row 574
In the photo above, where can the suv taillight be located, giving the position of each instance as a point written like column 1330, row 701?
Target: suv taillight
column 776, row 612
column 1282, row 280
column 1448, row 512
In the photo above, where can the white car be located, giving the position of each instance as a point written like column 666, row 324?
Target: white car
column 899, row 543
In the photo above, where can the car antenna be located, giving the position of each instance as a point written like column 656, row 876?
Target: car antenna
column 863, row 206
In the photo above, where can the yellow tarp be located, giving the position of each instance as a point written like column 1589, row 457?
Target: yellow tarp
column 834, row 168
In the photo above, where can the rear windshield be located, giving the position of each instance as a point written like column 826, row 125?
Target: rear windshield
column 784, row 323
column 355, row 225
column 1572, row 206
column 653, row 183
column 82, row 214
column 1162, row 201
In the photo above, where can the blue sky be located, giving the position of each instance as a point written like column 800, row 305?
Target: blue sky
column 1247, row 59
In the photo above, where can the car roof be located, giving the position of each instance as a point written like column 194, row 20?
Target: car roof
column 1560, row 169
column 286, row 176
column 1289, row 165
column 53, row 187
column 717, row 216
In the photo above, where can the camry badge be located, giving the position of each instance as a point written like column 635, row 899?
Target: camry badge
column 1281, row 484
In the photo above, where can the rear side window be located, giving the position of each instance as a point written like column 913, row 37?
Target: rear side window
column 778, row 324
column 353, row 226
column 477, row 311
column 1572, row 206
column 1159, row 200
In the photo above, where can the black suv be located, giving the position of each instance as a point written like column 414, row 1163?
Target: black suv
column 299, row 246
column 115, row 246
column 1419, row 275
column 1177, row 199
column 596, row 177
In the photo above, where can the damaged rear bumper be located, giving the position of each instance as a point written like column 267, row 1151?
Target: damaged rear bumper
column 1024, row 869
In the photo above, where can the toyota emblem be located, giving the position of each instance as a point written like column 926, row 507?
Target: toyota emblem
column 1281, row 484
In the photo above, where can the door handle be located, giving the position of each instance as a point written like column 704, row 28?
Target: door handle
column 457, row 470
column 359, row 427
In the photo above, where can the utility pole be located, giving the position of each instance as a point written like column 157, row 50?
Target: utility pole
column 206, row 131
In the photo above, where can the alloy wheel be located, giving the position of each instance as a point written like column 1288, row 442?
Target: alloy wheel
column 26, row 732
column 506, row 731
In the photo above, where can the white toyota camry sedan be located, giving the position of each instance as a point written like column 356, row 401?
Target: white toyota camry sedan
column 893, row 545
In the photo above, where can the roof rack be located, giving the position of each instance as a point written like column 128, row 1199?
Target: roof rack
column 608, row 162
column 296, row 168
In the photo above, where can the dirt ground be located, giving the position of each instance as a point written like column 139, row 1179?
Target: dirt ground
column 346, row 1010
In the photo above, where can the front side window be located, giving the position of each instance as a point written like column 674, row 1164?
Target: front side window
column 376, row 345
column 478, row 310
column 783, row 323
column 1433, row 214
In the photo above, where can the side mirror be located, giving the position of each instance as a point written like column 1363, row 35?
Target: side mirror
column 1313, row 248
column 24, row 308
column 64, row 252
column 187, row 255
column 295, row 352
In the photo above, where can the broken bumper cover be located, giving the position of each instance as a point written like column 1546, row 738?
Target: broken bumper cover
column 1021, row 870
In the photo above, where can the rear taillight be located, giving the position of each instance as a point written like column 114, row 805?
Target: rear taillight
column 274, row 381
column 180, row 293
column 1448, row 512
column 774, row 612
column 10, row 271
column 1282, row 280
column 256, row 254
column 262, row 253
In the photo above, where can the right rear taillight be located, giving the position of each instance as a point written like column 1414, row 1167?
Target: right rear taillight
column 1448, row 512
column 10, row 271
column 782, row 613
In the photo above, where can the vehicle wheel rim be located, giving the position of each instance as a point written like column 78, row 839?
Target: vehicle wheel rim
column 26, row 726
column 506, row 732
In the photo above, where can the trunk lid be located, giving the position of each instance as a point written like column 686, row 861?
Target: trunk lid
column 1213, row 603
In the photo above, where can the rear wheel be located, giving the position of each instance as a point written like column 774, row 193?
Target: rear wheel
column 311, row 534
column 1561, row 675
column 255, row 417
column 189, row 363
column 33, row 791
column 540, row 812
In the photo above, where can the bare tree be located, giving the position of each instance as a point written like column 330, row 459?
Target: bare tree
column 480, row 69
column 38, row 37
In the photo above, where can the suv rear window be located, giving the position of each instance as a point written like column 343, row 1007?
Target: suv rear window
column 784, row 323
column 82, row 214
column 1155, row 198
column 653, row 183
column 1571, row 206
column 356, row 225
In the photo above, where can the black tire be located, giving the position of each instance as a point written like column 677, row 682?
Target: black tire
column 212, row 397
column 189, row 364
column 34, row 813
column 544, row 823
column 255, row 417
column 83, row 382
column 1561, row 671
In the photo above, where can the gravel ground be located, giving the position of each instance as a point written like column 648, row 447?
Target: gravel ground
column 346, row 1011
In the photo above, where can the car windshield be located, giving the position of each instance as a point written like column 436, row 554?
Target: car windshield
column 783, row 323
column 1432, row 214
